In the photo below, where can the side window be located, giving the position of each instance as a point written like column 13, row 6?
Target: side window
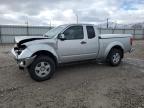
column 90, row 32
column 74, row 32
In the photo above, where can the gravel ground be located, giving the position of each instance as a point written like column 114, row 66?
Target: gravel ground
column 139, row 50
column 87, row 85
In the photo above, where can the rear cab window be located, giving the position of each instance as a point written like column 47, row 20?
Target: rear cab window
column 90, row 32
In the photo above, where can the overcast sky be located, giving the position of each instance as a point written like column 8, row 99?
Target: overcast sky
column 41, row 12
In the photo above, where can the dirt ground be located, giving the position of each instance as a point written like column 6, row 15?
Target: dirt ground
column 85, row 85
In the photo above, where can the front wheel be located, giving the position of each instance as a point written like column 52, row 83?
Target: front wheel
column 114, row 57
column 42, row 68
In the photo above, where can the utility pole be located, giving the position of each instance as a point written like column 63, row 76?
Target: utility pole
column 50, row 24
column 107, row 22
column 27, row 23
column 77, row 18
column 76, row 15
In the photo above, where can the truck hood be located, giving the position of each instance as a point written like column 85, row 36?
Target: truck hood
column 23, row 39
column 105, row 36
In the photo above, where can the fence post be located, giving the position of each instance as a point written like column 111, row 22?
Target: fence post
column 143, row 34
column 123, row 30
column 27, row 30
column 0, row 35
column 134, row 33
column 100, row 30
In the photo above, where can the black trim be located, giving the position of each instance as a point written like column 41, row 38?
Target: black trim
column 28, row 40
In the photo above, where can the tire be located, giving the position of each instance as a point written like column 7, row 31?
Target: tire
column 114, row 57
column 42, row 68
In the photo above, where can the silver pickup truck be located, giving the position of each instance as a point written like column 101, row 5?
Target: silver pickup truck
column 68, row 43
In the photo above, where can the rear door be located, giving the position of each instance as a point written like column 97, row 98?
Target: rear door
column 92, row 41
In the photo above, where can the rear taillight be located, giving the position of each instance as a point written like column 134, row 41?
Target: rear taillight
column 131, row 40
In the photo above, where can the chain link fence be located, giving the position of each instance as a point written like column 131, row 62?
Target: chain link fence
column 138, row 34
column 8, row 32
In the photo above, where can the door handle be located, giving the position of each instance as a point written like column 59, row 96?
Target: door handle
column 83, row 42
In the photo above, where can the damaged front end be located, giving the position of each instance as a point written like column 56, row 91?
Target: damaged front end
column 21, row 52
column 22, row 55
column 19, row 48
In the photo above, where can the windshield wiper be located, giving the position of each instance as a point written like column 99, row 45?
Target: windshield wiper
column 47, row 36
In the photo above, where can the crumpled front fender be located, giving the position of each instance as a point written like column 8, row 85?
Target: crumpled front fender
column 42, row 47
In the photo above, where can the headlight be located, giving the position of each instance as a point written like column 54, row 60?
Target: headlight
column 19, row 49
column 22, row 47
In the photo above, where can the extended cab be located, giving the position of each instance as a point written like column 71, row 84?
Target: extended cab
column 68, row 43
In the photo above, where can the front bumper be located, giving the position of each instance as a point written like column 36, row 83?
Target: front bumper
column 22, row 62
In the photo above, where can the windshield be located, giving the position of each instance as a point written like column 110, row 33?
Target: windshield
column 55, row 31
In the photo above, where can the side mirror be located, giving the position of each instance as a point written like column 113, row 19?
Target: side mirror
column 61, row 37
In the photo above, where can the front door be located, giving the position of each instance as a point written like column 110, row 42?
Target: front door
column 73, row 47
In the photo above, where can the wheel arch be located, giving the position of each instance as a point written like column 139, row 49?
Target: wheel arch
column 119, row 48
column 115, row 45
column 47, row 53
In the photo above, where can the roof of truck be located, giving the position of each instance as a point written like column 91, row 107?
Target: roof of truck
column 78, row 24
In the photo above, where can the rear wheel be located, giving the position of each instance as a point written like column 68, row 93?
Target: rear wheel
column 42, row 68
column 114, row 57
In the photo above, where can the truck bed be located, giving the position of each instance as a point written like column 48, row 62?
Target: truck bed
column 114, row 35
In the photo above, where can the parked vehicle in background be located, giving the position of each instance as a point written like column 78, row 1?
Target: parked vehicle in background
column 68, row 43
